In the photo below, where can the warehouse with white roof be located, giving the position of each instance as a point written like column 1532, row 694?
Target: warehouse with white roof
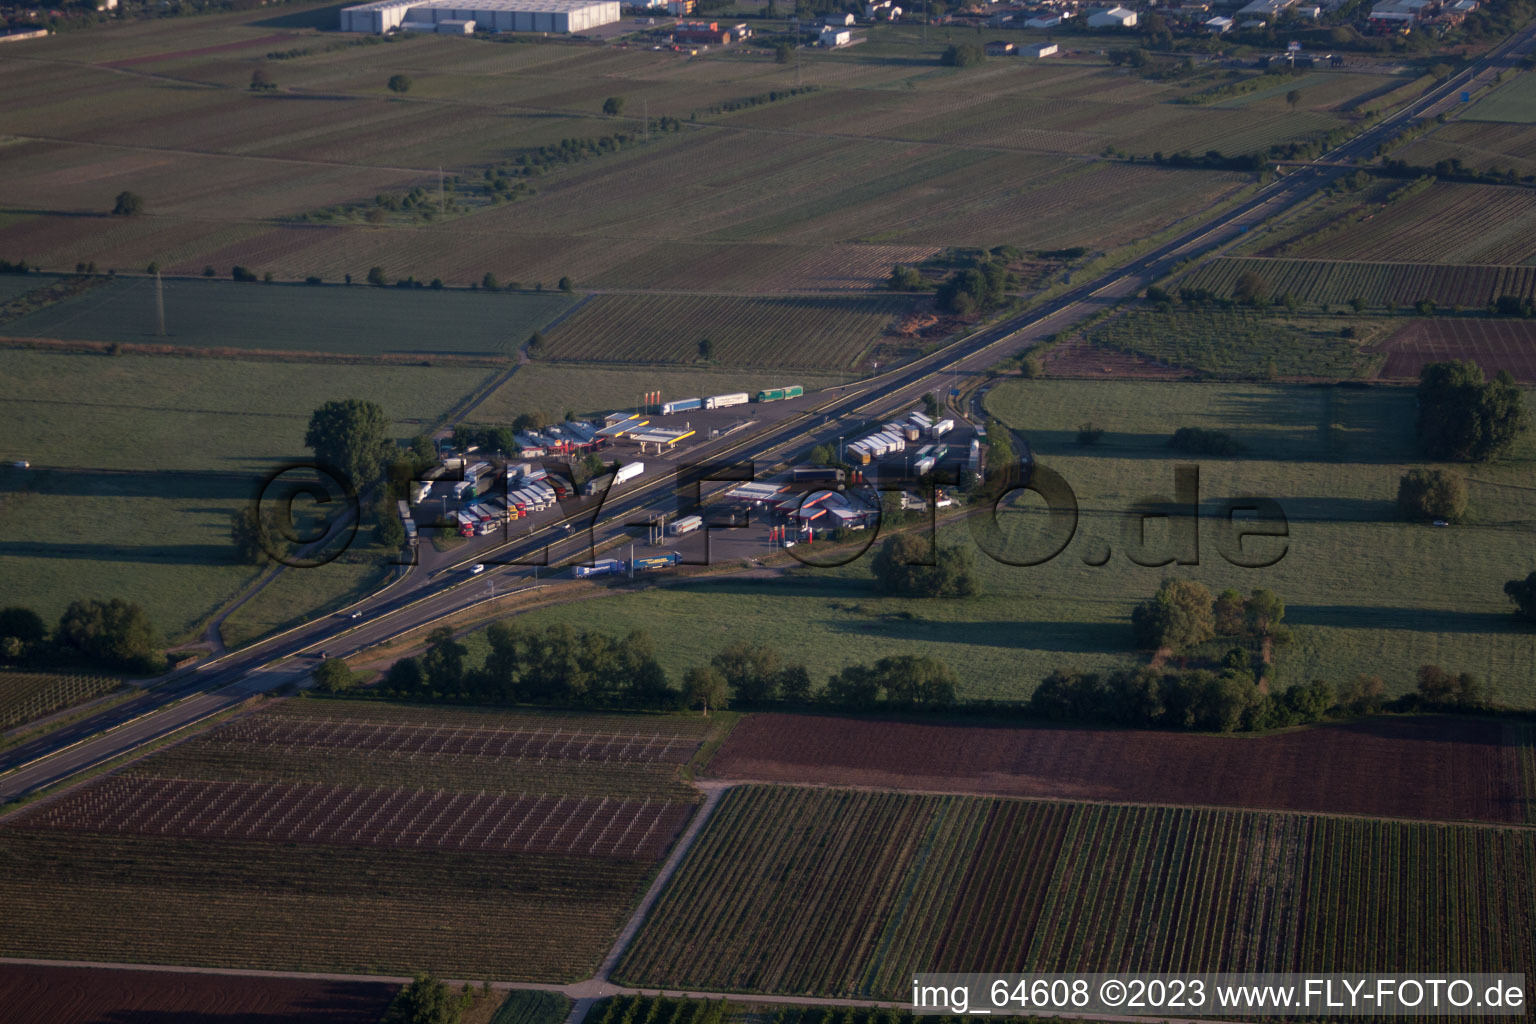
column 462, row 16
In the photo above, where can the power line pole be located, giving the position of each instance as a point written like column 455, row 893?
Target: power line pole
column 439, row 190
column 645, row 107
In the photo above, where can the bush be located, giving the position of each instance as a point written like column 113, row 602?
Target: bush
column 963, row 55
column 1425, row 495
column 1200, row 441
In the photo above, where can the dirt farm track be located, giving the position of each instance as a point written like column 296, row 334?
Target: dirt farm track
column 1427, row 768
column 88, row 995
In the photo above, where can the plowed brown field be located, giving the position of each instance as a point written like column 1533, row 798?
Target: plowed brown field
column 1426, row 768
column 88, row 995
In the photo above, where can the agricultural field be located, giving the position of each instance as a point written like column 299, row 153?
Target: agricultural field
column 453, row 856
column 1514, row 101
column 90, row 995
column 878, row 164
column 309, row 743
column 358, row 321
column 839, row 893
column 1480, row 145
column 586, row 389
column 780, row 333
column 138, row 468
column 25, row 696
column 1245, row 343
column 1495, row 345
column 1336, row 282
column 1373, row 767
column 1445, row 223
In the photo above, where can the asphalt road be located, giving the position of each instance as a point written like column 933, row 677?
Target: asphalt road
column 431, row 590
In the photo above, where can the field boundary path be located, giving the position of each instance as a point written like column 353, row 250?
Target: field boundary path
column 584, row 1003
column 584, row 993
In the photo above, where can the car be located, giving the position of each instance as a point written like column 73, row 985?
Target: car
column 320, row 655
column 476, row 569
column 355, row 615
column 1441, row 522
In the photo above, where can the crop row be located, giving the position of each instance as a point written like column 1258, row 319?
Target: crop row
column 489, row 718
column 267, row 906
column 1448, row 222
column 28, row 695
column 399, row 739
column 840, row 893
column 1337, row 282
column 384, row 817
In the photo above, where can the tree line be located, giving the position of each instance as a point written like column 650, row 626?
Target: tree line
column 564, row 667
column 111, row 634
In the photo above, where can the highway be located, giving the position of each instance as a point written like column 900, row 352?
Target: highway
column 425, row 593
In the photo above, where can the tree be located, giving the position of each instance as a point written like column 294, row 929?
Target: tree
column 963, row 55
column 489, row 282
column 750, row 670
column 794, row 684
column 1437, row 686
column 114, row 633
column 1424, row 495
column 1293, row 97
column 1251, row 289
column 1462, row 417
column 1177, row 616
column 443, row 663
column 904, row 279
column 953, row 573
column 353, row 436
column 914, row 680
column 566, row 284
column 1363, row 695
column 428, row 1001
column 704, row 688
column 1031, row 367
column 535, row 345
column 333, row 676
column 1522, row 593
column 406, row 678
column 389, row 531
column 261, row 81
column 706, row 349
column 853, row 687
column 400, row 84
column 22, row 631
column 128, row 204
column 1263, row 612
column 1228, row 613
column 376, row 277
column 613, row 106
column 781, row 53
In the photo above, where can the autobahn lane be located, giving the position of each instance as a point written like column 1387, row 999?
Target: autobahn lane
column 419, row 598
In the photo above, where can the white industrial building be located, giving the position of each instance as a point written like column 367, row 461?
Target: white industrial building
column 460, row 17
column 1113, row 17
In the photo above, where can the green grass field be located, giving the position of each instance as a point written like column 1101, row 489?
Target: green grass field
column 1514, row 101
column 139, row 466
column 1365, row 593
column 359, row 320
column 1247, row 343
column 298, row 595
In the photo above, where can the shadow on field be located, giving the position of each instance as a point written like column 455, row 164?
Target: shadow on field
column 315, row 17
column 1325, row 509
column 1063, row 637
column 1421, row 620
column 210, row 485
column 176, row 554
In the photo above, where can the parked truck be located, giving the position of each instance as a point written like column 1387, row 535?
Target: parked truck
column 687, row 524
column 628, row 472
column 726, row 401
column 941, row 428
column 601, row 567
column 651, row 563
column 681, row 405
column 779, row 394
